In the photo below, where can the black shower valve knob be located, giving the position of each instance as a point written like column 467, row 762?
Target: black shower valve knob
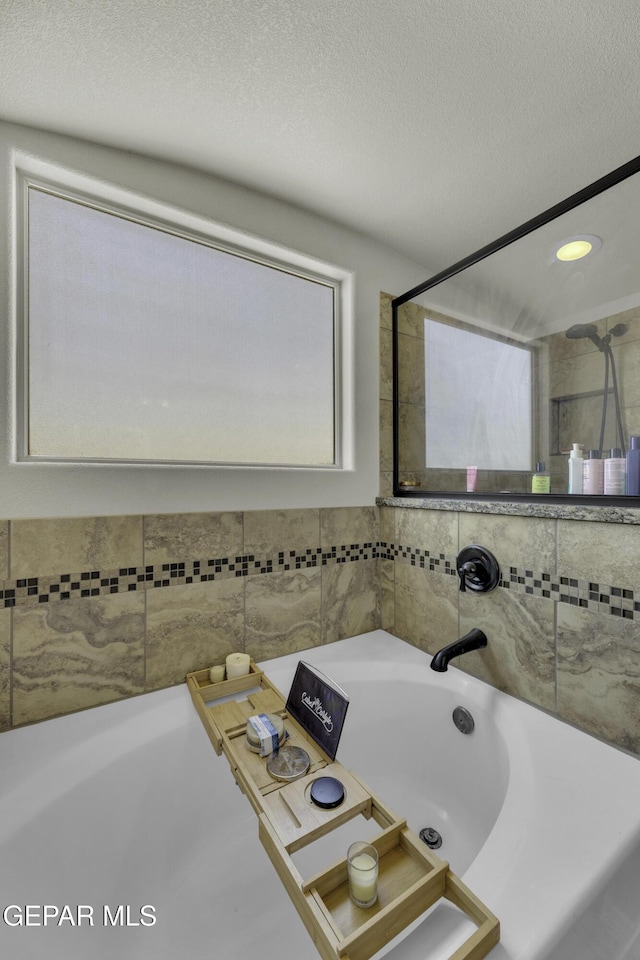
column 478, row 569
column 468, row 569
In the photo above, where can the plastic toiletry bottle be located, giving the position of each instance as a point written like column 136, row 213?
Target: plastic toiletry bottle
column 593, row 474
column 576, row 463
column 540, row 481
column 615, row 474
column 633, row 467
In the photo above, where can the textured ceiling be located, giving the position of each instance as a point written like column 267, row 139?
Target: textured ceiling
column 431, row 125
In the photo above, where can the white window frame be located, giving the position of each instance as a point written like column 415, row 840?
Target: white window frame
column 109, row 198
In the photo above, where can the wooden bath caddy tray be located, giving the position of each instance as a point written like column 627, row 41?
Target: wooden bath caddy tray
column 411, row 877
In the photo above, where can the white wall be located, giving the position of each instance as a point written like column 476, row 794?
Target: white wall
column 57, row 490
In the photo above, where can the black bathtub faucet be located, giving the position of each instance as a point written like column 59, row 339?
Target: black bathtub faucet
column 474, row 640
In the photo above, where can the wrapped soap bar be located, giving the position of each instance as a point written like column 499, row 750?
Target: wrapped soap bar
column 264, row 733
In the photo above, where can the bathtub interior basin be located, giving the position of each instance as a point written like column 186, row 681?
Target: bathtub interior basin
column 127, row 805
column 414, row 757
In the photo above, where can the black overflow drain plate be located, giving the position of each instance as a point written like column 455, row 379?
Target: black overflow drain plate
column 431, row 837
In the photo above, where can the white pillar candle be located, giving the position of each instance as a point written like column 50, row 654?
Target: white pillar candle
column 362, row 865
column 216, row 674
column 237, row 665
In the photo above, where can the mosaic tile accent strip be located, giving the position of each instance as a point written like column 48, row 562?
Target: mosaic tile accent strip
column 436, row 562
column 592, row 596
column 100, row 583
column 595, row 597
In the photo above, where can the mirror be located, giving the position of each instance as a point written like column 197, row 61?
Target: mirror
column 507, row 359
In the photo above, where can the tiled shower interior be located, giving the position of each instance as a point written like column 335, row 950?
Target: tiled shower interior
column 100, row 608
column 568, row 405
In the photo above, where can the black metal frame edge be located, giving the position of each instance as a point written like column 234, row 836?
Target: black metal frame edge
column 583, row 500
column 616, row 176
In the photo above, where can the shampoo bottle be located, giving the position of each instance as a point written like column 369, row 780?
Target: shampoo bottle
column 615, row 474
column 633, row 467
column 576, row 464
column 540, row 481
column 593, row 474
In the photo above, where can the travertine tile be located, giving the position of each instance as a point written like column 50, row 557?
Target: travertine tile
column 528, row 543
column 386, row 435
column 628, row 369
column 386, row 364
column 385, row 310
column 74, row 544
column 599, row 675
column 386, row 575
column 387, row 524
column 350, row 599
column 283, row 612
column 4, row 549
column 192, row 626
column 561, row 347
column 192, row 536
column 411, row 438
column 432, row 530
column 5, row 668
column 411, row 320
column 386, row 484
column 576, row 374
column 76, row 654
column 631, row 417
column 426, row 607
column 269, row 531
column 411, row 382
column 345, row 525
column 605, row 553
column 520, row 655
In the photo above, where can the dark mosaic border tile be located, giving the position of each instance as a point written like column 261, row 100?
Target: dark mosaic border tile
column 614, row 600
column 100, row 583
column 595, row 597
column 427, row 559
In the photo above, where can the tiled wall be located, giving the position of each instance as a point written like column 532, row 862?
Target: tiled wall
column 564, row 623
column 575, row 384
column 96, row 609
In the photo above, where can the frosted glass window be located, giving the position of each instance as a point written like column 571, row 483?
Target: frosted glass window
column 478, row 400
column 145, row 345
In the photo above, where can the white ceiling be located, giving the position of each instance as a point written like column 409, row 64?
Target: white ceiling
column 431, row 125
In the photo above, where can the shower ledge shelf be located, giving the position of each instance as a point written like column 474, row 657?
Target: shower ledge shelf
column 411, row 877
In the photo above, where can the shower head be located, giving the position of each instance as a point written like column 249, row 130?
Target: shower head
column 582, row 331
column 589, row 331
column 619, row 329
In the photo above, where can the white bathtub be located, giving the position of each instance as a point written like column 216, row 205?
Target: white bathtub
column 127, row 805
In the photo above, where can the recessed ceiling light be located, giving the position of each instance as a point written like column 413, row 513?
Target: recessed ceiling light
column 576, row 248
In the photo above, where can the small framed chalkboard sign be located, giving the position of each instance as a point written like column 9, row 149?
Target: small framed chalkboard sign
column 319, row 705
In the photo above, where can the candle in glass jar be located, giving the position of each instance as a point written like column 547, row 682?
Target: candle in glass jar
column 362, row 865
